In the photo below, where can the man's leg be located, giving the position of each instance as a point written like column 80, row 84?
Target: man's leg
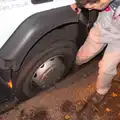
column 91, row 47
column 108, row 68
column 107, row 71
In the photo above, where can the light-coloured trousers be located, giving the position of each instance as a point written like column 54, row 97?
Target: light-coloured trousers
column 100, row 35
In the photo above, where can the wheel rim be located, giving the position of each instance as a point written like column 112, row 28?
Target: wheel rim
column 48, row 73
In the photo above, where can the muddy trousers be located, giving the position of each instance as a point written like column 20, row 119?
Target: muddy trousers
column 109, row 62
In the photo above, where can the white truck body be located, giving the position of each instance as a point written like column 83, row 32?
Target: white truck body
column 14, row 12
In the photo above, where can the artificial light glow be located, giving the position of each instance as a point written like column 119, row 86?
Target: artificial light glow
column 10, row 84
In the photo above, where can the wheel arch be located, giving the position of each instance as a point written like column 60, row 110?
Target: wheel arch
column 32, row 30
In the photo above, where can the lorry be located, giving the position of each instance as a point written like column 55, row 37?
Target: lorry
column 39, row 42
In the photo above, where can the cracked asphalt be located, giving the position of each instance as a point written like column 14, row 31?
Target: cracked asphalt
column 64, row 100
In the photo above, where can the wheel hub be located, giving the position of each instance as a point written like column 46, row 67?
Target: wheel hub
column 49, row 72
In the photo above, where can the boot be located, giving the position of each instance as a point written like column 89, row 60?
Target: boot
column 91, row 107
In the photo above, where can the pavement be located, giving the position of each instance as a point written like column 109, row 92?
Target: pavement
column 64, row 100
column 109, row 109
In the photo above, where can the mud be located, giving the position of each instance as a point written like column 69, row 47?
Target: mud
column 68, row 107
column 36, row 114
column 66, row 104
column 109, row 109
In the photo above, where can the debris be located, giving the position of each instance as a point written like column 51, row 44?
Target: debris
column 68, row 107
column 67, row 117
column 108, row 110
column 114, row 94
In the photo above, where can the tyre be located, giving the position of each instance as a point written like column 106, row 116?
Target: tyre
column 47, row 62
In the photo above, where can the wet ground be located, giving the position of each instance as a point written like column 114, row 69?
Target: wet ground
column 64, row 101
column 109, row 109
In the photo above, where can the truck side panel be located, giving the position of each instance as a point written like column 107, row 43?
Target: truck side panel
column 14, row 12
column 31, row 30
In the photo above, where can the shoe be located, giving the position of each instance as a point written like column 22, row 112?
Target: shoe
column 90, row 108
column 97, row 98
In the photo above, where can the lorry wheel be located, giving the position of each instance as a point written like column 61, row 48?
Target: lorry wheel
column 47, row 62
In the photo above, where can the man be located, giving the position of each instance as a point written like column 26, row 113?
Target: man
column 105, row 32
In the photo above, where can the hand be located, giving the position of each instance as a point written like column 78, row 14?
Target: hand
column 102, row 4
column 75, row 8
